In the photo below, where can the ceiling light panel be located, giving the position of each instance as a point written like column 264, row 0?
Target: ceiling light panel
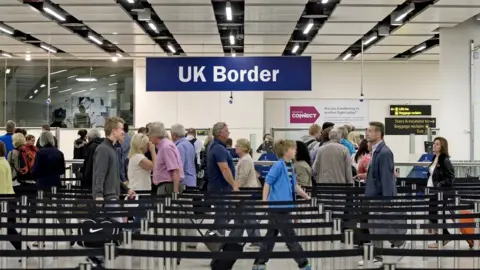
column 231, row 30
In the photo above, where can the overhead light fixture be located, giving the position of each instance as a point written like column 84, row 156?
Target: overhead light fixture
column 55, row 87
column 370, row 39
column 6, row 54
column 404, row 12
column 119, row 55
column 153, row 27
column 66, row 90
column 52, row 11
column 91, row 89
column 115, row 59
column 419, row 48
column 171, row 48
column 7, row 71
column 73, row 76
column 308, row 27
column 30, row 97
column 113, row 75
column 59, row 71
column 232, row 40
column 295, row 48
column 113, row 84
column 95, row 39
column 28, row 57
column 131, row 1
column 36, row 91
column 109, row 91
column 347, row 56
column 81, row 91
column 228, row 11
column 6, row 29
column 48, row 48
column 232, row 52
column 324, row 1
column 43, row 85
column 86, row 79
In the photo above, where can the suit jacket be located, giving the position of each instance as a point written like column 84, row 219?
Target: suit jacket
column 443, row 174
column 381, row 177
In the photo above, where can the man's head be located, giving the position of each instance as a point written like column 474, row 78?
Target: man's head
column 156, row 132
column 81, row 109
column 46, row 139
column 30, row 139
column 314, row 130
column 334, row 135
column 93, row 134
column 10, row 126
column 343, row 132
column 285, row 149
column 375, row 132
column 21, row 130
column 114, row 129
column 177, row 131
column 220, row 131
column 142, row 130
column 229, row 143
column 46, row 128
column 327, row 125
column 192, row 132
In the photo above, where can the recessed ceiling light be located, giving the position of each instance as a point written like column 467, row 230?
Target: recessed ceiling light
column 228, row 11
column 171, row 48
column 7, row 71
column 308, row 27
column 6, row 54
column 6, row 29
column 131, row 1
column 48, row 48
column 91, row 89
column 52, row 11
column 86, row 79
column 66, row 90
column 43, row 85
column 113, row 75
column 28, row 57
column 81, row 91
column 30, row 97
column 95, row 39
column 115, row 33
column 58, row 71
column 109, row 91
column 295, row 48
column 232, row 40
column 55, row 87
column 115, row 59
column 73, row 76
column 36, row 91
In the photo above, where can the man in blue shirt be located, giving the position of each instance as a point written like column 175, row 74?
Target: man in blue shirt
column 187, row 154
column 220, row 168
column 7, row 138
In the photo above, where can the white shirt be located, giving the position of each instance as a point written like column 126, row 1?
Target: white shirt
column 431, row 169
column 138, row 178
column 198, row 146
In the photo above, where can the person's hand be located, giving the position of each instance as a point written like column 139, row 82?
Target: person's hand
column 151, row 147
column 131, row 193
column 99, row 199
column 235, row 187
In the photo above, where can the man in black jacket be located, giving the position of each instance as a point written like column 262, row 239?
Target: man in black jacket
column 94, row 140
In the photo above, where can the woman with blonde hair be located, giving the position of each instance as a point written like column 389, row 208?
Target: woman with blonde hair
column 139, row 166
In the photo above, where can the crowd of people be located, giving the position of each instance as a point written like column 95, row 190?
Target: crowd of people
column 162, row 163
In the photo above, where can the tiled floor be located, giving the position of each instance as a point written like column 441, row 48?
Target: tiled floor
column 287, row 264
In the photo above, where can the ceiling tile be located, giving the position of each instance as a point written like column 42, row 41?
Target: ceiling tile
column 426, row 57
column 331, row 39
column 202, row 48
column 185, row 13
column 277, row 49
column 388, row 49
column 326, row 49
column 40, row 28
column 346, row 28
column 372, row 2
column 115, row 27
column 458, row 3
column 361, row 14
column 418, row 29
column 443, row 14
column 282, row 28
column 212, row 39
column 80, row 48
column 319, row 56
column 83, row 2
column 434, row 50
column 85, row 13
column 141, row 48
column 62, row 39
column 250, row 39
column 403, row 40
column 129, row 39
column 23, row 13
column 192, row 27
column 375, row 57
column 274, row 13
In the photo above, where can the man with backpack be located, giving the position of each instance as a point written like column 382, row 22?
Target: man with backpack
column 7, row 138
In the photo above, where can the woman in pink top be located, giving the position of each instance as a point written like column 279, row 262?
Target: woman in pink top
column 363, row 165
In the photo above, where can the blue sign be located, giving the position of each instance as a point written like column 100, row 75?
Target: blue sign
column 283, row 73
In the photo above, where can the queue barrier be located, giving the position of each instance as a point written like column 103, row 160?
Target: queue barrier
column 167, row 217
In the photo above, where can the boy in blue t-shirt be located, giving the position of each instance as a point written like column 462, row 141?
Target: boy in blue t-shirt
column 281, row 185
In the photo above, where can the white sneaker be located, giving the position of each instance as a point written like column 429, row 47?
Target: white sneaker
column 376, row 262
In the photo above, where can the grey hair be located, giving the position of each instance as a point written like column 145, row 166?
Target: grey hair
column 10, row 126
column 334, row 135
column 46, row 138
column 93, row 134
column 343, row 132
column 217, row 128
column 157, row 129
column 178, row 130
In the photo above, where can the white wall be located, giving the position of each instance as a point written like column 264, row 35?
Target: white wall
column 198, row 109
column 384, row 84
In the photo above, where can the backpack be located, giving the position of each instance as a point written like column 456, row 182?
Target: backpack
column 197, row 166
column 105, row 233
column 26, row 160
column 310, row 142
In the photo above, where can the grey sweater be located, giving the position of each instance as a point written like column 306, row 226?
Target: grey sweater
column 106, row 174
column 333, row 164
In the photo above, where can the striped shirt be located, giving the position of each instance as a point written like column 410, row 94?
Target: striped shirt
column 290, row 172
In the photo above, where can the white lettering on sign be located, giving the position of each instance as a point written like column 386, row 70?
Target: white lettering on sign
column 304, row 115
column 222, row 74
column 197, row 74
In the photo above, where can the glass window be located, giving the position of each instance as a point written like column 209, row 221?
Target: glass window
column 83, row 93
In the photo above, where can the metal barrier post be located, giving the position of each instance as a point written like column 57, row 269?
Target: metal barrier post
column 127, row 244
column 368, row 254
column 476, row 243
column 457, row 231
column 320, row 231
column 151, row 244
column 54, row 220
column 337, row 229
column 425, row 231
column 348, row 240
column 85, row 266
column 389, row 266
column 175, row 246
column 161, row 231
column 313, row 231
column 328, row 244
column 415, row 221
column 41, row 231
column 168, row 232
column 24, row 231
column 143, row 245
column 4, row 230
column 109, row 256
column 309, row 231
column 440, row 230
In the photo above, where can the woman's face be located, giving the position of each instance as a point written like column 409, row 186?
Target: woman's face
column 437, row 146
column 239, row 150
column 31, row 141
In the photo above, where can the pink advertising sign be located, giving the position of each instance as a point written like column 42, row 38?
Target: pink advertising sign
column 303, row 114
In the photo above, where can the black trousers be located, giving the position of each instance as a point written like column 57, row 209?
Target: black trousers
column 12, row 231
column 435, row 221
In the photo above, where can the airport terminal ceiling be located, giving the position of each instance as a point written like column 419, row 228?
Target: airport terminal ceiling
column 323, row 29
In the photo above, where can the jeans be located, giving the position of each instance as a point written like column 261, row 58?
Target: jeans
column 250, row 232
column 293, row 246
